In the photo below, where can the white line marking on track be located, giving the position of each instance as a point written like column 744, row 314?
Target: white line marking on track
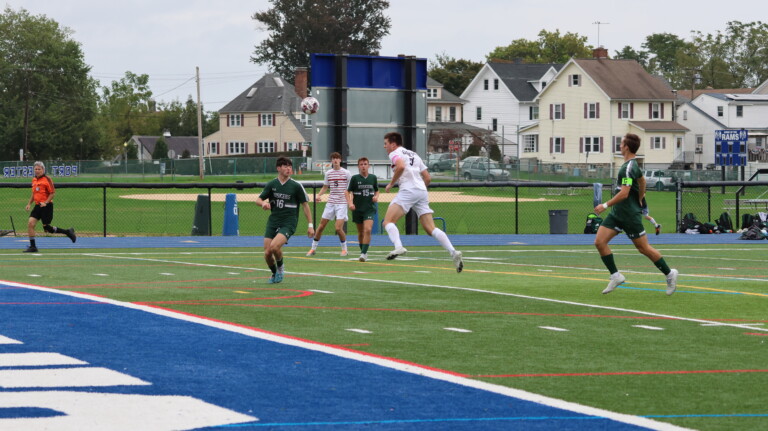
column 651, row 328
column 457, row 330
column 554, row 328
column 6, row 340
column 360, row 331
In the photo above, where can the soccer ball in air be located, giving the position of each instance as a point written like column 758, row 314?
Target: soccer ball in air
column 310, row 105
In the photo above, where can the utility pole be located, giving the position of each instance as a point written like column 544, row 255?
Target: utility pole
column 201, row 144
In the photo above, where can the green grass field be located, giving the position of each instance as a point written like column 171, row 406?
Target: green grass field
column 531, row 318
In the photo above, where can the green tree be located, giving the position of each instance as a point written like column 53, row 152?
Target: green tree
column 161, row 149
column 127, row 109
column 736, row 58
column 454, row 74
column 670, row 56
column 298, row 28
column 550, row 47
column 47, row 100
column 629, row 53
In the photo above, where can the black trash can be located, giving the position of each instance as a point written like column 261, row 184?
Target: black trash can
column 201, row 225
column 558, row 221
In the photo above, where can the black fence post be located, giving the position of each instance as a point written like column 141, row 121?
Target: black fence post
column 104, row 207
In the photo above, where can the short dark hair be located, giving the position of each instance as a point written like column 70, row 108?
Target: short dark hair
column 335, row 155
column 394, row 137
column 363, row 159
column 632, row 142
column 282, row 161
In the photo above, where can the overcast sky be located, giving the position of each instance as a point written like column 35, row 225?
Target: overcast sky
column 167, row 39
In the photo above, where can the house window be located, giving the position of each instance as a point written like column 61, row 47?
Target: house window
column 655, row 111
column 558, row 111
column 234, row 147
column 213, row 148
column 530, row 143
column 574, row 80
column 293, row 146
column 479, row 113
column 452, row 114
column 431, row 93
column 739, row 111
column 235, row 120
column 438, row 113
column 267, row 120
column 485, row 84
column 591, row 144
column 617, row 144
column 558, row 145
column 592, row 167
column 265, row 147
column 685, row 115
column 305, row 119
column 657, row 142
column 625, row 110
column 699, row 144
column 719, row 111
column 495, row 84
column 533, row 112
column 590, row 110
column 494, row 124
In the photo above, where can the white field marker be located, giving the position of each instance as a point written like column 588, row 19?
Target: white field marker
column 167, row 273
column 652, row 328
column 457, row 330
column 553, row 328
column 233, row 273
column 35, row 275
column 360, row 331
column 319, row 291
column 101, row 275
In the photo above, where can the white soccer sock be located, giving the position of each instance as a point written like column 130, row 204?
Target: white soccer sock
column 653, row 222
column 314, row 244
column 442, row 238
column 343, row 245
column 394, row 235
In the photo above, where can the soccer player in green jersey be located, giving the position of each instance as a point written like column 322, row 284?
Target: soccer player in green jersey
column 627, row 216
column 362, row 196
column 282, row 196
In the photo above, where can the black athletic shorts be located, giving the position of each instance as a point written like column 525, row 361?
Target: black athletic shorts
column 44, row 214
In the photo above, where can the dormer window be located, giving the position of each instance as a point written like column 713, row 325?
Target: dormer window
column 431, row 93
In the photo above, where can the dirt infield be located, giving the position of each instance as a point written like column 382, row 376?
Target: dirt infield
column 383, row 197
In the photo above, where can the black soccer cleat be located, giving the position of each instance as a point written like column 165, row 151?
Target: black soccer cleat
column 71, row 234
column 31, row 249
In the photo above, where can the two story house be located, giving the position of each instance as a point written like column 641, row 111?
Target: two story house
column 501, row 96
column 446, row 129
column 591, row 104
column 265, row 118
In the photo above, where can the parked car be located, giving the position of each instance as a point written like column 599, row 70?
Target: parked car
column 471, row 159
column 441, row 162
column 483, row 168
column 658, row 180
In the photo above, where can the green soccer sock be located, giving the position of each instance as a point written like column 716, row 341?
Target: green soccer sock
column 364, row 248
column 663, row 267
column 609, row 263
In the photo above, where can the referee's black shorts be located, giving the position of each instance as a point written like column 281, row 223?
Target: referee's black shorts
column 44, row 214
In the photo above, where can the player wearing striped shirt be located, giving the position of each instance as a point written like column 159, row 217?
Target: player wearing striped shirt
column 336, row 180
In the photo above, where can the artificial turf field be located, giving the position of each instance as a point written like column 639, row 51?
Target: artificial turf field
column 524, row 317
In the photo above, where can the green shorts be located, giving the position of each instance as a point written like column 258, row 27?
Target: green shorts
column 358, row 217
column 631, row 225
column 287, row 228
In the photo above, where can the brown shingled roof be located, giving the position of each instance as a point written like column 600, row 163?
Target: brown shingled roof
column 625, row 79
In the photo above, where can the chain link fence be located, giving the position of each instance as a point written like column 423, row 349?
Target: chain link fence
column 706, row 200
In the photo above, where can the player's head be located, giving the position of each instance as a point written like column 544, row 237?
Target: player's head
column 283, row 161
column 363, row 160
column 632, row 142
column 39, row 168
column 335, row 155
column 362, row 165
column 394, row 138
column 335, row 160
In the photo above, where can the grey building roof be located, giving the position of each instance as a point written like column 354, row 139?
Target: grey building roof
column 517, row 77
column 176, row 143
column 446, row 96
column 271, row 93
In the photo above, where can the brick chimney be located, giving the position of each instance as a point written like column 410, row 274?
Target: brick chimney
column 300, row 83
column 600, row 53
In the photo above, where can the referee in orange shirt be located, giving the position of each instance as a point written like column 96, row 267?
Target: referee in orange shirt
column 42, row 199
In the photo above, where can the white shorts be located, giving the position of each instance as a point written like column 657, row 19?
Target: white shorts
column 414, row 199
column 335, row 212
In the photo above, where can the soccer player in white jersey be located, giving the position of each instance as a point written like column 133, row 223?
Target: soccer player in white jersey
column 410, row 172
column 336, row 180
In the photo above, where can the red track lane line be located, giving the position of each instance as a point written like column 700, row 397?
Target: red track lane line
column 621, row 373
column 303, row 340
column 756, row 333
